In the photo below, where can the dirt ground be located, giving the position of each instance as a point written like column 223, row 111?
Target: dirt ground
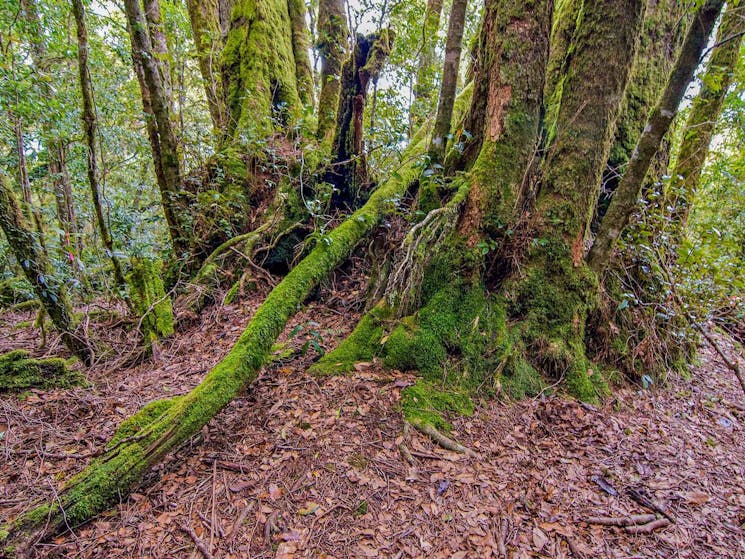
column 307, row 467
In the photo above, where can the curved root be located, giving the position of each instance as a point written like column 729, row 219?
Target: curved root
column 442, row 440
column 417, row 247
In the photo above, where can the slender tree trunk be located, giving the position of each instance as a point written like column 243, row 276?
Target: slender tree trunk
column 426, row 74
column 449, row 81
column 209, row 31
column 55, row 146
column 332, row 46
column 629, row 189
column 66, row 215
column 160, row 48
column 90, row 128
column 300, row 51
column 48, row 289
column 701, row 124
column 32, row 212
column 174, row 206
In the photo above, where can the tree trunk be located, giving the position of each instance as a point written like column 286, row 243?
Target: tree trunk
column 629, row 189
column 209, row 28
column 332, row 47
column 90, row 128
column 449, row 81
column 701, row 124
column 50, row 291
column 162, row 137
column 265, row 86
column 426, row 74
column 556, row 289
column 66, row 215
column 32, row 212
column 348, row 170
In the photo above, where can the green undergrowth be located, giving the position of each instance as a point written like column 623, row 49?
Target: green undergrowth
column 18, row 372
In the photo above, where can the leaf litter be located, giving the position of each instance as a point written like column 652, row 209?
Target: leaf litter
column 307, row 467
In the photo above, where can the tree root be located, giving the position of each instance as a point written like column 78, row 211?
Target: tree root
column 420, row 243
column 403, row 447
column 163, row 425
column 442, row 440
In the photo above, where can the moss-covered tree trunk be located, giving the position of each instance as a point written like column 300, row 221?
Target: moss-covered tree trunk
column 453, row 46
column 629, row 189
column 147, row 437
column 209, row 24
column 156, row 105
column 701, row 123
column 332, row 48
column 348, row 169
column 90, row 128
column 49, row 290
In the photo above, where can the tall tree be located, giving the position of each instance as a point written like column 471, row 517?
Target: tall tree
column 625, row 198
column 156, row 104
column 701, row 123
column 90, row 128
column 332, row 47
column 209, row 24
column 50, row 291
column 449, row 80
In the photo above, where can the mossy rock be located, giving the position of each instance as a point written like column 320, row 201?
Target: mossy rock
column 18, row 372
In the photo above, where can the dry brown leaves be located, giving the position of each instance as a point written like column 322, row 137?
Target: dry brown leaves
column 300, row 467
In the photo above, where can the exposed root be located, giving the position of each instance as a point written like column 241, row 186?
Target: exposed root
column 632, row 520
column 403, row 447
column 649, row 527
column 420, row 243
column 442, row 440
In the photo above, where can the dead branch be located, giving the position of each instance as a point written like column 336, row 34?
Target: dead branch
column 633, row 520
column 649, row 527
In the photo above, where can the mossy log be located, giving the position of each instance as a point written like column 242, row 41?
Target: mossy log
column 162, row 425
column 18, row 371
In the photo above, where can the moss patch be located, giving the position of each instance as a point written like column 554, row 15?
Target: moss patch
column 18, row 371
column 426, row 403
column 362, row 344
column 150, row 300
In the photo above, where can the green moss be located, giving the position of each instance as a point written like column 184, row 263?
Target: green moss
column 142, row 419
column 232, row 293
column 361, row 345
column 110, row 477
column 18, row 372
column 427, row 403
column 149, row 298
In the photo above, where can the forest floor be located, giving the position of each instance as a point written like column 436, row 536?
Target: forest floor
column 307, row 467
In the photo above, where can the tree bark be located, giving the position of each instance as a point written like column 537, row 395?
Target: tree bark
column 701, row 123
column 332, row 47
column 348, row 170
column 90, row 128
column 50, row 291
column 449, row 81
column 629, row 189
column 162, row 136
column 555, row 289
column 31, row 210
column 209, row 28
column 424, row 84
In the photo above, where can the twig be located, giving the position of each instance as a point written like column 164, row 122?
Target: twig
column 633, row 520
column 649, row 527
column 637, row 496
column 199, row 543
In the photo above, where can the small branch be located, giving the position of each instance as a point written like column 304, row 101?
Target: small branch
column 199, row 543
column 649, row 527
column 633, row 520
